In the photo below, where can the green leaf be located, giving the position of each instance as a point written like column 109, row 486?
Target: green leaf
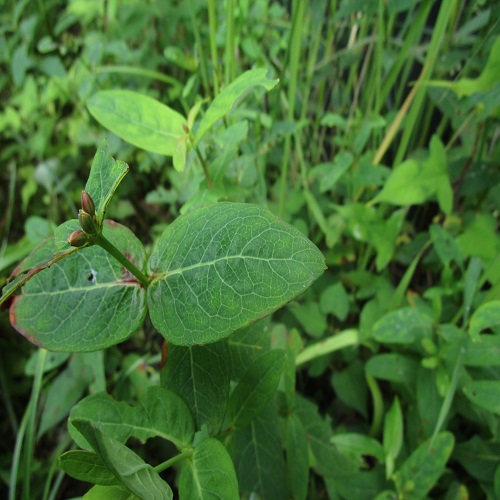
column 255, row 389
column 99, row 492
column 258, row 457
column 403, row 326
column 414, row 182
column 139, row 477
column 246, row 345
column 65, row 391
column 139, row 120
column 483, row 352
column 394, row 367
column 104, row 178
column 423, row 468
column 445, row 245
column 485, row 316
column 359, row 447
column 328, row 461
column 85, row 302
column 350, row 387
column 87, row 466
column 161, row 414
column 209, row 473
column 223, row 103
column 221, row 267
column 297, row 454
column 393, row 436
column 40, row 259
column 485, row 394
column 335, row 300
column 485, row 81
column 200, row 375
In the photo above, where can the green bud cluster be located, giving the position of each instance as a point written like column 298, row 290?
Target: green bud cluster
column 77, row 238
column 86, row 215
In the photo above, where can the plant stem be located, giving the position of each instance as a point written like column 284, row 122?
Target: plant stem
column 112, row 250
column 172, row 461
column 204, row 166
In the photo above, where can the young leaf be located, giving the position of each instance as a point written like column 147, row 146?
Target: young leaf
column 255, row 389
column 422, row 469
column 85, row 302
column 223, row 103
column 209, row 473
column 200, row 375
column 140, row 478
column 87, row 466
column 139, row 120
column 221, row 267
column 105, row 175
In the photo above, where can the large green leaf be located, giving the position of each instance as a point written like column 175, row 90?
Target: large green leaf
column 200, row 375
column 209, row 473
column 223, row 103
column 224, row 266
column 139, row 477
column 139, row 119
column 161, row 414
column 85, row 302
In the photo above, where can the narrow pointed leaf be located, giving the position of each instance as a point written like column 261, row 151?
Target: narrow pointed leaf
column 85, row 302
column 105, row 175
column 224, row 266
column 209, row 473
column 139, row 120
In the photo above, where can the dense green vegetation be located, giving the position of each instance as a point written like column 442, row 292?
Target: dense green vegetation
column 371, row 129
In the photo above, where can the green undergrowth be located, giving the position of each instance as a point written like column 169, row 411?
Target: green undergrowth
column 192, row 343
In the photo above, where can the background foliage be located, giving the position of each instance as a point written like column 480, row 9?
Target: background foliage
column 380, row 143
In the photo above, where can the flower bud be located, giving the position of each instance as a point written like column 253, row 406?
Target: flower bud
column 77, row 238
column 88, row 203
column 87, row 222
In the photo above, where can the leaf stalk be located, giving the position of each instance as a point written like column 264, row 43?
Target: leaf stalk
column 104, row 243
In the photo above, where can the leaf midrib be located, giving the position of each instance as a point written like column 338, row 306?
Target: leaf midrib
column 84, row 289
column 180, row 270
